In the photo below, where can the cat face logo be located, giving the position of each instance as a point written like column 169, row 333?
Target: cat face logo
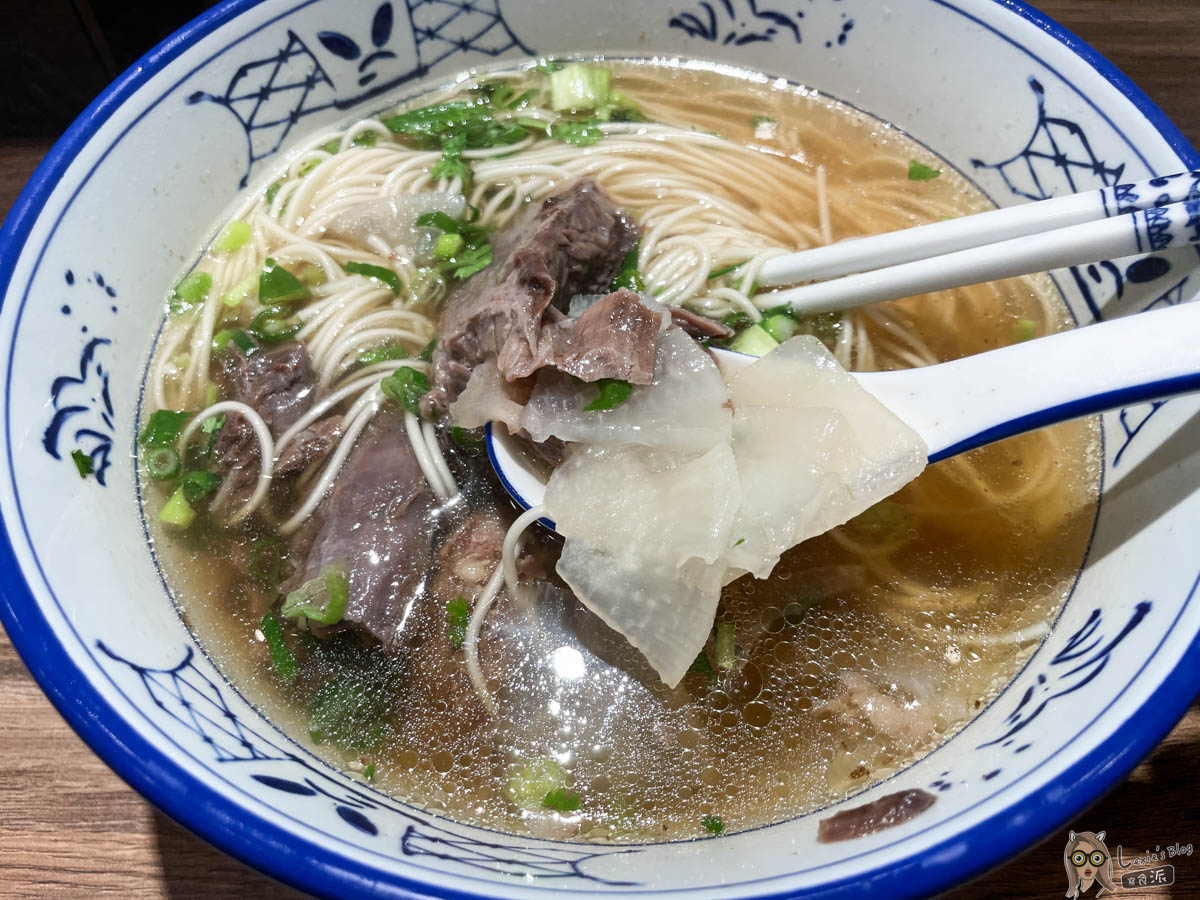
column 1088, row 861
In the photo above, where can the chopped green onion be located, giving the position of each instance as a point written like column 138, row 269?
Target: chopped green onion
column 406, row 386
column 465, row 438
column 382, row 354
column 379, row 273
column 763, row 120
column 277, row 285
column 628, row 277
column 369, row 772
column 528, row 785
column 440, row 220
column 282, row 658
column 547, row 66
column 578, row 86
column 239, row 338
column 177, row 511
column 232, row 237
column 581, row 134
column 322, row 599
column 190, row 292
column 701, row 666
column 163, row 463
column 712, row 824
column 83, row 463
column 332, row 146
column 739, row 542
column 448, row 246
column 163, row 428
column 270, row 325
column 212, row 394
column 613, row 392
column 921, row 172
column 753, row 340
column 272, row 191
column 427, row 351
column 781, row 326
column 266, row 561
column 199, row 484
column 561, row 800
column 240, row 292
column 1026, row 330
column 724, row 647
column 725, row 270
column 458, row 613
column 366, row 139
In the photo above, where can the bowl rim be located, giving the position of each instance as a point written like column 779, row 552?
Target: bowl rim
column 302, row 864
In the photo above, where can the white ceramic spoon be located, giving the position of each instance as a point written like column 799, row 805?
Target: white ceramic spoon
column 957, row 406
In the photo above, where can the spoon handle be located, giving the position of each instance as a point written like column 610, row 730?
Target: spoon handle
column 957, row 406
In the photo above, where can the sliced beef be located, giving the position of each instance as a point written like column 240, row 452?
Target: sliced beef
column 699, row 326
column 573, row 243
column 377, row 517
column 309, row 446
column 614, row 338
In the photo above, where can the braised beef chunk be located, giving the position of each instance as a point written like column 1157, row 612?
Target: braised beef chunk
column 278, row 383
column 377, row 517
column 309, row 446
column 573, row 243
column 614, row 336
column 699, row 326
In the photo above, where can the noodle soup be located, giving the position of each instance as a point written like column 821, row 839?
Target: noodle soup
column 865, row 647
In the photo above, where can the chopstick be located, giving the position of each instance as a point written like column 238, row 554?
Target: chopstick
column 1123, row 220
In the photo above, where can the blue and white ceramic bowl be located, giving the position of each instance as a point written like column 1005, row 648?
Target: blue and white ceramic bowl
column 1019, row 105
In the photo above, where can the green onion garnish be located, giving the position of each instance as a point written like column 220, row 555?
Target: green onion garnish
column 382, row 354
column 712, row 824
column 406, row 386
column 190, row 292
column 458, row 613
column 465, row 438
column 163, row 428
column 528, row 784
column 781, row 326
column 1026, row 330
column 921, row 172
column 177, row 511
column 163, row 463
column 701, row 666
column 628, row 277
column 232, row 237
column 199, row 484
column 83, row 463
column 578, row 86
column 369, row 772
column 613, row 392
column 322, row 599
column 448, row 246
column 277, row 285
column 240, row 292
column 379, row 273
column 725, row 270
column 427, row 351
column 282, row 658
column 266, row 561
column 272, row 191
column 473, row 260
column 438, row 220
column 239, row 338
column 724, row 646
column 347, row 714
column 270, row 326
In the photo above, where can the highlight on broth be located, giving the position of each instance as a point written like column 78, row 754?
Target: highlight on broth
column 552, row 247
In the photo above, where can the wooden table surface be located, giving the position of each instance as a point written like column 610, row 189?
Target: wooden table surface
column 70, row 828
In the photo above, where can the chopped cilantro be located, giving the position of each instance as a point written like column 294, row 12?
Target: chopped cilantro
column 458, row 613
column 471, row 261
column 83, row 463
column 562, row 800
column 739, row 542
column 433, row 126
column 701, row 666
column 613, row 392
column 369, row 772
column 283, row 661
column 406, row 386
column 427, row 353
column 581, row 134
column 712, row 824
column 921, row 172
column 452, row 164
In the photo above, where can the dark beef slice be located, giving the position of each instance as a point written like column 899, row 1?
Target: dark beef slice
column 309, row 446
column 886, row 812
column 277, row 383
column 377, row 517
column 699, row 326
column 614, row 338
column 573, row 243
